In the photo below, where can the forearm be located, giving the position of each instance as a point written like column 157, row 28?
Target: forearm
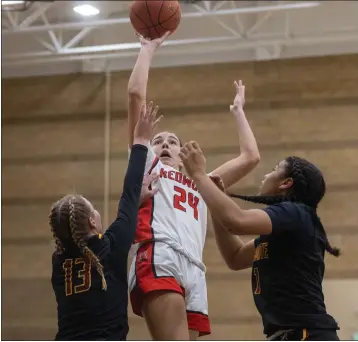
column 122, row 230
column 237, row 168
column 229, row 245
column 129, row 203
column 247, row 141
column 222, row 207
column 137, row 85
column 137, row 89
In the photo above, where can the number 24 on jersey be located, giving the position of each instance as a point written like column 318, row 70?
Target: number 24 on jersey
column 183, row 197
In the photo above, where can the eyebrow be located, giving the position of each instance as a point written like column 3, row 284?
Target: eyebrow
column 170, row 136
column 158, row 137
column 174, row 137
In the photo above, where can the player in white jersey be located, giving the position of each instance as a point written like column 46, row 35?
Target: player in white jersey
column 177, row 216
column 167, row 275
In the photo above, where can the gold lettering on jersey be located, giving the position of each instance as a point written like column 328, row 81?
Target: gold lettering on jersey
column 178, row 177
column 261, row 251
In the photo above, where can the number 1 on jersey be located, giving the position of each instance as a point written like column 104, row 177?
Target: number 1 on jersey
column 183, row 197
column 257, row 278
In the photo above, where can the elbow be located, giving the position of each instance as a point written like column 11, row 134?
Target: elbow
column 135, row 94
column 237, row 266
column 253, row 158
column 235, row 263
column 232, row 266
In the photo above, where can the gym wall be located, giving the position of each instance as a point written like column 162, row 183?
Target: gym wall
column 53, row 142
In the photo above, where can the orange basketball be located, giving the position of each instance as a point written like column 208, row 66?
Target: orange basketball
column 152, row 18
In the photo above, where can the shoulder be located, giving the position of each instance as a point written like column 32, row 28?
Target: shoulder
column 99, row 245
column 288, row 216
column 287, row 208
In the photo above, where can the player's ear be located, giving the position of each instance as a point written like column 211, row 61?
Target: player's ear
column 92, row 224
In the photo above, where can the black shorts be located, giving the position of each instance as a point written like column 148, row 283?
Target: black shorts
column 308, row 335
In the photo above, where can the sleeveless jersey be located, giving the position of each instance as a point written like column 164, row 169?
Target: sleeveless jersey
column 176, row 215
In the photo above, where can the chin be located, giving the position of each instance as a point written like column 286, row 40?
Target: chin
column 166, row 161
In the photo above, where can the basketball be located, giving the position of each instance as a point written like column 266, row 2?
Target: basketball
column 152, row 18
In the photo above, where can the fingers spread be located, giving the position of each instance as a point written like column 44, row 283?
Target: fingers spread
column 154, row 113
column 157, row 121
column 149, row 108
column 142, row 111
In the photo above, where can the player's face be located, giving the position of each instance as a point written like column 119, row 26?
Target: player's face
column 167, row 147
column 95, row 221
column 275, row 183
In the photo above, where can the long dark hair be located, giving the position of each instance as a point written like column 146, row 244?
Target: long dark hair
column 308, row 188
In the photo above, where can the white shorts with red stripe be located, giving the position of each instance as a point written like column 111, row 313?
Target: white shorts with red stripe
column 156, row 266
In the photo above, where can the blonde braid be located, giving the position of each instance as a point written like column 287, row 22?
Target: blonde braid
column 93, row 259
column 82, row 244
column 72, row 215
column 58, row 245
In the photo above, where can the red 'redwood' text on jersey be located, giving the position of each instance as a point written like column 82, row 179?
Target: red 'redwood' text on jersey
column 177, row 214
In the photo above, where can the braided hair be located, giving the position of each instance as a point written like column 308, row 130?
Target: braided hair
column 308, row 188
column 68, row 221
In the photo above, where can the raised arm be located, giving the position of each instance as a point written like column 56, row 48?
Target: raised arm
column 249, row 157
column 237, row 254
column 121, row 232
column 137, row 85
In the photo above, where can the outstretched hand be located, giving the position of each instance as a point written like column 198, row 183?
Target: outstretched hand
column 146, row 123
column 193, row 159
column 239, row 100
column 152, row 44
column 148, row 191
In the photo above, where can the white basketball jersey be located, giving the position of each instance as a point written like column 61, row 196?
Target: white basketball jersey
column 176, row 215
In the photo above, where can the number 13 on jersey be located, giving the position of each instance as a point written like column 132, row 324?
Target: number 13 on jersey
column 183, row 197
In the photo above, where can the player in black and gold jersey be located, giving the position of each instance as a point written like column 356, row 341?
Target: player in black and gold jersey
column 89, row 273
column 287, row 258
